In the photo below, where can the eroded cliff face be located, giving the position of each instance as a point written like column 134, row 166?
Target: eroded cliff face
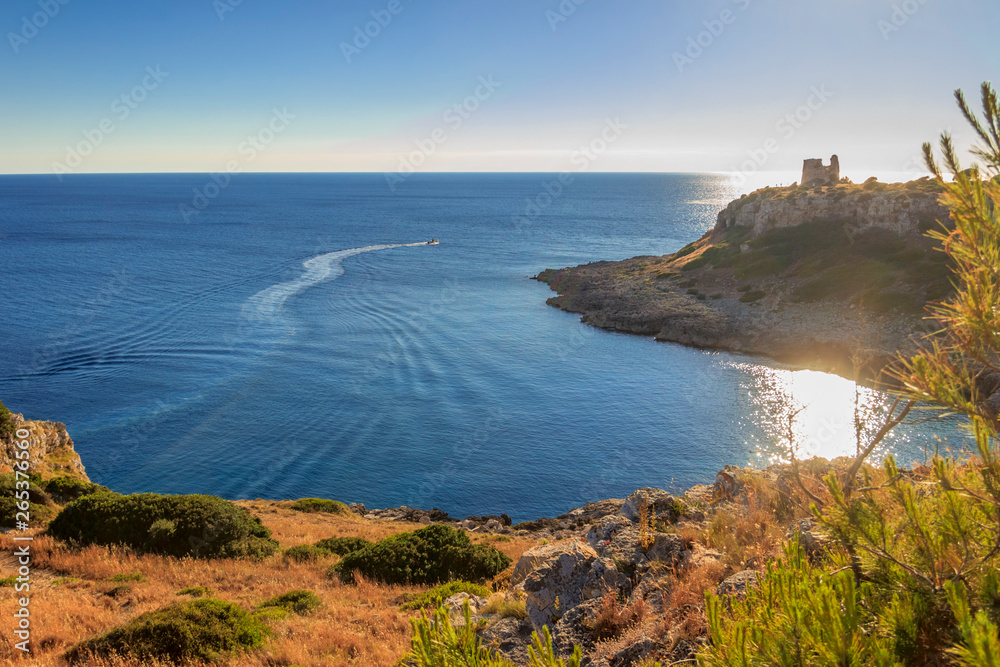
column 904, row 209
column 50, row 448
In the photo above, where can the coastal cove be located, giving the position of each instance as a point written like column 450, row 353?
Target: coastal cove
column 150, row 349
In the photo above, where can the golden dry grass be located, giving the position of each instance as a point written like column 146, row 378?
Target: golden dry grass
column 358, row 624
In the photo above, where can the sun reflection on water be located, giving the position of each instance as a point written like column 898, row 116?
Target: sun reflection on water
column 814, row 411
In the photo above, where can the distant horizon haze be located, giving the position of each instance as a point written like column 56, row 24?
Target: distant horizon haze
column 443, row 86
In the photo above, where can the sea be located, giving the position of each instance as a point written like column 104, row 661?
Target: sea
column 292, row 335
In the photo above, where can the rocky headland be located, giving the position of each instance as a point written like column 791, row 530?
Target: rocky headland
column 831, row 278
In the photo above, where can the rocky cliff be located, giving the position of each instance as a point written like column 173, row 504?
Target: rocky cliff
column 816, row 277
column 905, row 210
column 50, row 447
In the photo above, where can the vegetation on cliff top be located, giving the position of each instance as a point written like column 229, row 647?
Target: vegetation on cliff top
column 430, row 555
column 180, row 633
column 7, row 426
column 197, row 525
column 824, row 260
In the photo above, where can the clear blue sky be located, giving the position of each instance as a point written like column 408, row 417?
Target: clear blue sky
column 559, row 83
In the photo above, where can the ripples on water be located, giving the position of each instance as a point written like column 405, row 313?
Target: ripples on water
column 221, row 356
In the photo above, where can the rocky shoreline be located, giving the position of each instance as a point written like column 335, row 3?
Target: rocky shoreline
column 626, row 297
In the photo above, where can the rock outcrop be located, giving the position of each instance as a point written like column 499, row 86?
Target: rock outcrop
column 51, row 452
column 555, row 578
column 903, row 212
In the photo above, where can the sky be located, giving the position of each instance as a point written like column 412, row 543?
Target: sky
column 485, row 85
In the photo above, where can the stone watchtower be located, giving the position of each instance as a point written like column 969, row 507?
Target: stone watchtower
column 814, row 172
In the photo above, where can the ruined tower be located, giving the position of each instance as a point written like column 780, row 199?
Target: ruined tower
column 814, row 172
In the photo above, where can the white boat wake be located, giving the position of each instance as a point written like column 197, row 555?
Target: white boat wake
column 267, row 304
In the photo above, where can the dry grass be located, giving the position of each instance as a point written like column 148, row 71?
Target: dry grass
column 614, row 618
column 358, row 624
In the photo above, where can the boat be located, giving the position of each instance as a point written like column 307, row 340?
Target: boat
column 433, row 242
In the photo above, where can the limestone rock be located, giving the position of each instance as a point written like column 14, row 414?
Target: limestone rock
column 660, row 505
column 557, row 577
column 456, row 603
column 593, row 511
column 641, row 651
column 51, row 452
column 618, row 538
column 738, row 583
column 573, row 629
column 509, row 637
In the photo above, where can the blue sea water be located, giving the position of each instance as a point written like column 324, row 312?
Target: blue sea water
column 241, row 352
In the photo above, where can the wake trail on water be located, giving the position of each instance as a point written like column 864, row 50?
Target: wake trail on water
column 267, row 304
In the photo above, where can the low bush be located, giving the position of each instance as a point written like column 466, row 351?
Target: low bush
column 313, row 505
column 7, row 426
column 430, row 555
column 32, row 501
column 342, row 545
column 305, row 553
column 9, row 488
column 196, row 591
column 129, row 576
column 200, row 526
column 180, row 633
column 439, row 594
column 67, row 489
column 752, row 296
column 296, row 602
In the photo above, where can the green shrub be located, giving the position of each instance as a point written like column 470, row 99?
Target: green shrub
column 7, row 426
column 430, row 555
column 183, row 632
column 698, row 263
column 9, row 489
column 686, row 250
column 129, row 576
column 40, row 507
column 342, row 545
column 196, row 591
column 320, row 505
column 798, row 616
column 436, row 596
column 8, row 582
column 200, row 526
column 752, row 295
column 297, row 602
column 305, row 553
column 66, row 489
